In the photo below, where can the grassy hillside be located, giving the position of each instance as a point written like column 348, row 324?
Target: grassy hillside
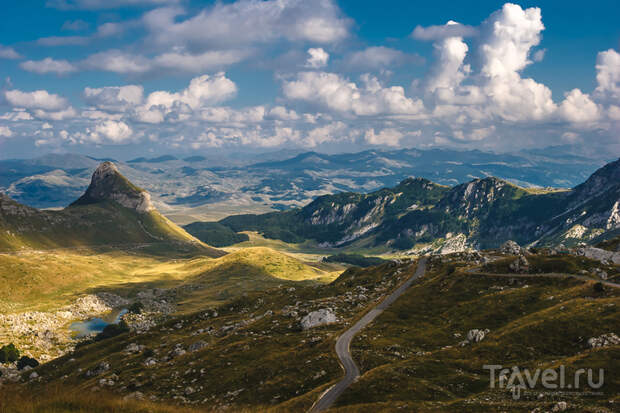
column 256, row 356
column 249, row 269
column 412, row 356
column 612, row 244
column 355, row 259
column 113, row 211
column 102, row 224
column 64, row 400
column 215, row 234
column 47, row 280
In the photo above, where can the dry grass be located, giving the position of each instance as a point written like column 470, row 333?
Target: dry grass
column 48, row 280
column 59, row 399
column 62, row 399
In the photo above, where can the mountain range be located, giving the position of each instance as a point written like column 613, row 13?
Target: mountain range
column 212, row 187
column 481, row 213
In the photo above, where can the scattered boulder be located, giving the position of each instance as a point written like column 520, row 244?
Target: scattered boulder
column 476, row 335
column 26, row 361
column 101, row 368
column 601, row 255
column 520, row 265
column 604, row 340
column 511, row 247
column 133, row 348
column 198, row 345
column 134, row 396
column 600, row 273
column 560, row 407
column 177, row 351
column 318, row 318
column 150, row 362
column 106, row 382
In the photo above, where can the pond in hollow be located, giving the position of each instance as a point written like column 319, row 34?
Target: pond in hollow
column 96, row 325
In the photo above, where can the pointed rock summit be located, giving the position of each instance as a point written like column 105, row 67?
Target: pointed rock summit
column 108, row 184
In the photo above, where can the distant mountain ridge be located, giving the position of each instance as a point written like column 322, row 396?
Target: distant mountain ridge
column 111, row 212
column 285, row 179
column 482, row 213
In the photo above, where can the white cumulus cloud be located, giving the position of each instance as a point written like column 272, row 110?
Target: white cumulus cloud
column 115, row 98
column 8, row 53
column 39, row 99
column 388, row 137
column 5, row 132
column 48, row 65
column 246, row 22
column 337, row 93
column 317, row 58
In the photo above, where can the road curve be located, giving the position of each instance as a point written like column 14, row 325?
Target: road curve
column 352, row 372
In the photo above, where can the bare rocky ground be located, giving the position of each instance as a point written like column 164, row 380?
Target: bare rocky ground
column 47, row 336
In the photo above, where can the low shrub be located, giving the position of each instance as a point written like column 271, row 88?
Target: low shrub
column 26, row 361
column 9, row 354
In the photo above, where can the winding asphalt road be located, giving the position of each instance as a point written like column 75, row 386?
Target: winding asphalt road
column 343, row 344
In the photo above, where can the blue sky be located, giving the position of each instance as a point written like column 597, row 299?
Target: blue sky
column 133, row 77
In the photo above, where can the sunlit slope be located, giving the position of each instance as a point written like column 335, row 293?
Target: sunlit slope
column 112, row 212
column 46, row 280
column 250, row 269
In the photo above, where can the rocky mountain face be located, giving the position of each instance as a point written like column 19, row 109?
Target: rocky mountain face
column 482, row 213
column 113, row 211
column 336, row 220
column 108, row 184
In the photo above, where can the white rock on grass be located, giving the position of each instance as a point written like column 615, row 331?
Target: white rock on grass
column 604, row 340
column 601, row 255
column 511, row 247
column 475, row 335
column 134, row 348
column 199, row 345
column 318, row 318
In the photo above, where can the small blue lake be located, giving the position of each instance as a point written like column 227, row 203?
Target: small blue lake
column 96, row 325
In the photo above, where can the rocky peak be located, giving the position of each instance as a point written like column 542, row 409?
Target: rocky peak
column 416, row 182
column 108, row 184
column 479, row 190
column 475, row 197
column 602, row 179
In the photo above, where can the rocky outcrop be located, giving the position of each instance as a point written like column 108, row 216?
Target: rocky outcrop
column 108, row 184
column 318, row 318
column 511, row 247
column 476, row 335
column 198, row 345
column 454, row 243
column 601, row 255
column 604, row 340
column 99, row 369
column 520, row 265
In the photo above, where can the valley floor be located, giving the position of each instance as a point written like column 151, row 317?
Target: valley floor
column 43, row 292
